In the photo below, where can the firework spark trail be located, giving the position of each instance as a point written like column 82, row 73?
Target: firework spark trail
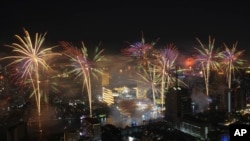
column 207, row 59
column 48, row 84
column 167, row 58
column 143, row 54
column 32, row 58
column 83, row 65
column 150, row 79
column 142, row 51
column 230, row 61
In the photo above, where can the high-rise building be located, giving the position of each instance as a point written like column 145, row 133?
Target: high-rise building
column 238, row 97
column 93, row 128
column 178, row 103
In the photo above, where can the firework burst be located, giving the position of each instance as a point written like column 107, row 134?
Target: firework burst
column 31, row 61
column 142, row 51
column 167, row 58
column 207, row 58
column 150, row 79
column 83, row 65
column 231, row 61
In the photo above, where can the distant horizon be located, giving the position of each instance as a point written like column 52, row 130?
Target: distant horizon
column 114, row 23
column 110, row 47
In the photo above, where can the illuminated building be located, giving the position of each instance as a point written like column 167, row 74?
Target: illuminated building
column 107, row 96
column 105, row 79
column 194, row 127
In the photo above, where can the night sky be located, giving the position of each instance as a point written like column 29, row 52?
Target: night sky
column 113, row 24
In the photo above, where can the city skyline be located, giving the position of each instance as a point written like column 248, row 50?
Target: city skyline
column 162, row 87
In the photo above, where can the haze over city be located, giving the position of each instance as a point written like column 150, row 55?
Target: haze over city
column 157, row 64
